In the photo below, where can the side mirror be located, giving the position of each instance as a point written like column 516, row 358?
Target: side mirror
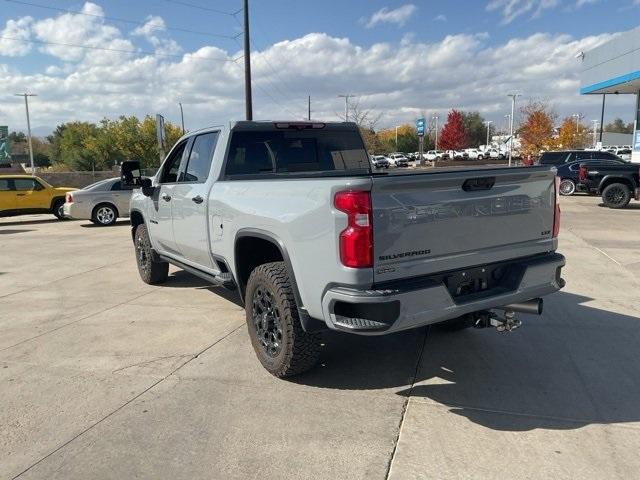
column 147, row 186
column 130, row 172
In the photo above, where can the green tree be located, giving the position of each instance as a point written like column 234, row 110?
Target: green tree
column 475, row 128
column 618, row 126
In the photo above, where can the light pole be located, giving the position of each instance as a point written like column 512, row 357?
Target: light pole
column 577, row 117
column 346, row 97
column 507, row 119
column 513, row 112
column 26, row 106
column 488, row 122
column 396, row 138
column 435, row 117
column 181, row 117
column 595, row 128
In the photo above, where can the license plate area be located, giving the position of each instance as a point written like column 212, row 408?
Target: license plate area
column 477, row 282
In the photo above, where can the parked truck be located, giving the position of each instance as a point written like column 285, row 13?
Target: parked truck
column 292, row 216
column 617, row 183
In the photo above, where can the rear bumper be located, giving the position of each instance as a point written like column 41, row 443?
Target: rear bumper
column 76, row 211
column 428, row 301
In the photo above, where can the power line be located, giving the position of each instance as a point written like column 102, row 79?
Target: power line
column 123, row 20
column 201, row 7
column 143, row 52
column 273, row 100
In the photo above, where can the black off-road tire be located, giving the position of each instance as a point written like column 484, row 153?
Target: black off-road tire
column 151, row 271
column 616, row 195
column 281, row 344
column 57, row 209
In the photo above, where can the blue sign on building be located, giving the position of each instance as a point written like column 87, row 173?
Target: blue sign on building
column 420, row 127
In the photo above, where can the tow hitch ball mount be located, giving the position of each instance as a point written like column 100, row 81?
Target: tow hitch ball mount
column 509, row 320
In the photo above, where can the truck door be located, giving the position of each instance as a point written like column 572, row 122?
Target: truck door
column 160, row 219
column 189, row 203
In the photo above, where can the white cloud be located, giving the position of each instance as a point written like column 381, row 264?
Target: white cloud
column 400, row 80
column 440, row 18
column 399, row 15
column 512, row 9
column 87, row 30
column 13, row 36
column 151, row 29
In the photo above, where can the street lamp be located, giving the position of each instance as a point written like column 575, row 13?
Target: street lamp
column 396, row 138
column 577, row 116
column 26, row 106
column 346, row 97
column 513, row 112
column 435, row 117
column 488, row 122
column 595, row 128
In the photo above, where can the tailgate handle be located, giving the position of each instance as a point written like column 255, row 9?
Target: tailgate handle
column 482, row 183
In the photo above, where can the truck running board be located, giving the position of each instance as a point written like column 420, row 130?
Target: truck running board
column 222, row 279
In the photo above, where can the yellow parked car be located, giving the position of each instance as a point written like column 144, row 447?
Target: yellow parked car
column 24, row 194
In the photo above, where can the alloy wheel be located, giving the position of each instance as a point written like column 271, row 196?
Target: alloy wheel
column 266, row 319
column 105, row 215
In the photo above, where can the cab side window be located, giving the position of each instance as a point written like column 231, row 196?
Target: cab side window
column 25, row 184
column 200, row 158
column 4, row 185
column 172, row 164
column 117, row 186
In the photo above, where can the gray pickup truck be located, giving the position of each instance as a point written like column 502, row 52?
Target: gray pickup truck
column 292, row 216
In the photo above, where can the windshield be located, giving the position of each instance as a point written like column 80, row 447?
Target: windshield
column 101, row 185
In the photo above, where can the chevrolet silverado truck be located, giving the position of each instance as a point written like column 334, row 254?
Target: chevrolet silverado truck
column 617, row 184
column 292, row 216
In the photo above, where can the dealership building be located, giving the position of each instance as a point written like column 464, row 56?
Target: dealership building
column 614, row 68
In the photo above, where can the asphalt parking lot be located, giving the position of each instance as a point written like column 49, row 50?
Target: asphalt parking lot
column 102, row 376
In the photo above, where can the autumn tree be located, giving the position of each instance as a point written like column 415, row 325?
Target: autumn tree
column 453, row 135
column 572, row 135
column 536, row 129
column 366, row 119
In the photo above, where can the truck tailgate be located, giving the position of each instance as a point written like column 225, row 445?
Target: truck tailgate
column 433, row 222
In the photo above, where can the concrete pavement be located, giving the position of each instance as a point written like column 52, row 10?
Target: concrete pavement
column 102, row 376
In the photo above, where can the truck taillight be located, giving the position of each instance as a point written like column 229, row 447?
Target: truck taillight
column 68, row 198
column 582, row 173
column 556, row 210
column 356, row 241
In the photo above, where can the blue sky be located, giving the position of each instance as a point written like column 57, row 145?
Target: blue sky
column 403, row 58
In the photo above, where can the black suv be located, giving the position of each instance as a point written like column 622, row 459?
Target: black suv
column 567, row 156
column 568, row 173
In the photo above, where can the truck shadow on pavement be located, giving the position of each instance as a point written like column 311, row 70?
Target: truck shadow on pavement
column 183, row 279
column 574, row 366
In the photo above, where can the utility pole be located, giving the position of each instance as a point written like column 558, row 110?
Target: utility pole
column 309, row 108
column 26, row 106
column 435, row 117
column 247, row 64
column 595, row 126
column 604, row 96
column 346, row 97
column 181, row 117
column 488, row 122
column 513, row 112
column 396, row 138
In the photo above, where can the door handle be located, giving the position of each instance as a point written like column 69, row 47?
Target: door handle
column 20, row 194
column 166, row 198
column 197, row 199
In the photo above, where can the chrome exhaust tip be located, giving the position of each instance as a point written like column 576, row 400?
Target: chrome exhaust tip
column 533, row 306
